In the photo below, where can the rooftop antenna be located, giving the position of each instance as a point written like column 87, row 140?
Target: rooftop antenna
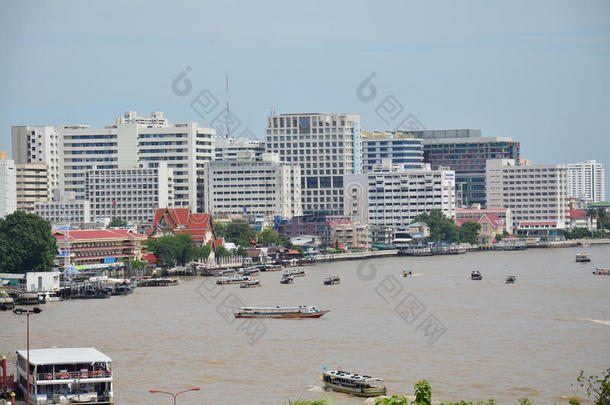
column 228, row 110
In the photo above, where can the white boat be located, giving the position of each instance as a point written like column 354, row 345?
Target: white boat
column 302, row 311
column 48, row 296
column 354, row 384
column 67, row 375
column 250, row 284
column 232, row 280
column 583, row 258
column 295, row 273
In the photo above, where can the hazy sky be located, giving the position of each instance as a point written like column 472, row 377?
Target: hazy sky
column 538, row 72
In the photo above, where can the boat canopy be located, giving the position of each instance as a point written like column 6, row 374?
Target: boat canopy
column 64, row 356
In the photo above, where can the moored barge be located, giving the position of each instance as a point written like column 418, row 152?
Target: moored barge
column 302, row 311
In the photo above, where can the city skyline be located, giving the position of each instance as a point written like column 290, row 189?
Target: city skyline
column 534, row 73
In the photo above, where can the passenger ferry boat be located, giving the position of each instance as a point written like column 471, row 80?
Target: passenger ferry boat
column 233, row 280
column 295, row 273
column 69, row 375
column 355, row 384
column 302, row 311
column 250, row 283
column 601, row 272
column 157, row 282
column 583, row 258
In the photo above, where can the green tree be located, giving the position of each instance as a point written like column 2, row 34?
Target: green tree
column 469, row 231
column 442, row 228
column 117, row 223
column 423, row 393
column 185, row 249
column 26, row 243
column 269, row 237
column 597, row 387
column 239, row 232
column 202, row 252
column 220, row 229
column 221, row 251
column 172, row 249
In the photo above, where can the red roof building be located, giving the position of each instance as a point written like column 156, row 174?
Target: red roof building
column 100, row 248
column 174, row 221
column 576, row 218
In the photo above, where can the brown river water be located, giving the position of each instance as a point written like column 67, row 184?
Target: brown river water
column 471, row 340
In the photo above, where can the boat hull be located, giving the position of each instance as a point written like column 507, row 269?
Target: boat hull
column 367, row 392
column 286, row 315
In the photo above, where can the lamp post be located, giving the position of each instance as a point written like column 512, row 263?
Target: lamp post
column 27, row 314
column 172, row 394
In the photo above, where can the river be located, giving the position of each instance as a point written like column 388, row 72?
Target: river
column 485, row 339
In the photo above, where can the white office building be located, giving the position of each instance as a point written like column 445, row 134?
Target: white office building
column 32, row 185
column 586, row 181
column 8, row 187
column 391, row 197
column 74, row 212
column 230, row 148
column 246, row 186
column 39, row 144
column 131, row 140
column 325, row 146
column 130, row 194
column 402, row 149
column 536, row 195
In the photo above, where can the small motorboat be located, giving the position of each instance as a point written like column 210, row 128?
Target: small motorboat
column 406, row 273
column 250, row 283
column 331, row 280
column 295, row 273
column 511, row 279
column 476, row 275
column 287, row 279
column 583, row 258
column 601, row 272
column 354, row 384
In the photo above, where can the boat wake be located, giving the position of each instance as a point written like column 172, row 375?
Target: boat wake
column 315, row 388
column 598, row 321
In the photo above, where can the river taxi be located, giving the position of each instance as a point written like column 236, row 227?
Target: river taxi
column 66, row 375
column 295, row 273
column 232, row 280
column 583, row 258
column 332, row 280
column 601, row 272
column 250, row 284
column 302, row 311
column 355, row 384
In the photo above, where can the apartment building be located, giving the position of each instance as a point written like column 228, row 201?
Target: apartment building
column 246, row 186
column 73, row 212
column 230, row 148
column 401, row 148
column 391, row 197
column 32, row 185
column 536, row 195
column 587, row 181
column 325, row 146
column 8, row 187
column 130, row 194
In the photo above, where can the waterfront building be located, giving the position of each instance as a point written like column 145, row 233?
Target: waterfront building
column 306, row 225
column 349, row 235
column 126, row 143
column 229, row 148
column 65, row 375
column 536, row 195
column 576, row 218
column 39, row 144
column 402, row 148
column 8, row 187
column 32, row 185
column 587, row 181
column 392, row 197
column 465, row 151
column 95, row 249
column 491, row 225
column 38, row 281
column 504, row 214
column 132, row 194
column 325, row 146
column 74, row 212
column 174, row 221
column 245, row 186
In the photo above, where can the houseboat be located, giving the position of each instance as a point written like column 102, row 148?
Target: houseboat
column 476, row 275
column 583, row 258
column 302, row 311
column 355, row 384
column 332, row 280
column 250, row 283
column 67, row 375
column 601, row 272
column 232, row 280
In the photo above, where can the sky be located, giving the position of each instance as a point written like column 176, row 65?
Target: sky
column 538, row 72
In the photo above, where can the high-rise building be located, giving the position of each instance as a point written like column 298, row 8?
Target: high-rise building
column 391, row 197
column 32, row 183
column 132, row 194
column 74, row 212
column 536, row 195
column 8, row 187
column 246, row 186
column 39, row 144
column 586, row 181
column 403, row 149
column 325, row 146
column 129, row 141
column 230, row 148
column 465, row 151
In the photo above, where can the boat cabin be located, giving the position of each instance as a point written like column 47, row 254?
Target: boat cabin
column 66, row 375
